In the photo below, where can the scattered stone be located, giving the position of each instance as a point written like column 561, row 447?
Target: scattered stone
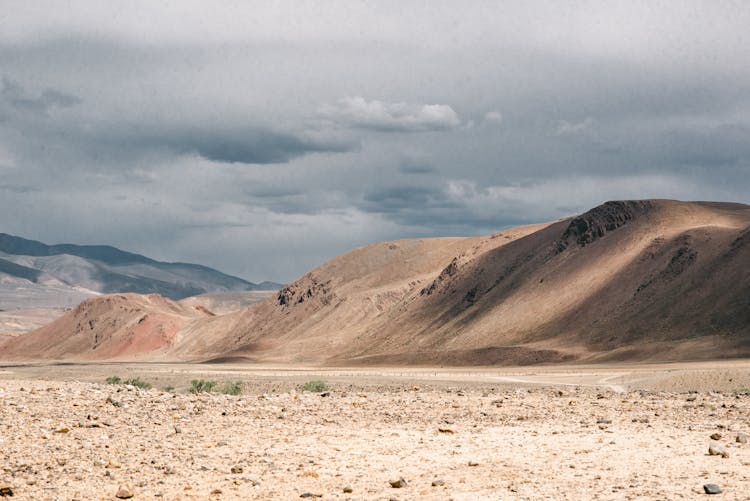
column 62, row 430
column 398, row 484
column 325, row 394
column 113, row 464
column 348, row 489
column 445, row 430
column 473, row 463
column 716, row 449
column 712, row 489
column 603, row 421
column 114, row 403
column 715, row 436
column 236, row 469
column 221, row 444
column 124, row 492
column 741, row 438
column 216, row 491
column 438, row 483
column 310, row 495
column 5, row 490
column 177, row 429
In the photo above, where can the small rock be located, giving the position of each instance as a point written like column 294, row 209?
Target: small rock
column 6, row 490
column 113, row 464
column 712, row 489
column 348, row 489
column 124, row 492
column 473, row 463
column 741, row 438
column 310, row 495
column 221, row 444
column 715, row 449
column 445, row 430
column 716, row 436
column 603, row 421
column 325, row 394
column 438, row 483
column 216, row 491
column 236, row 469
column 62, row 430
column 177, row 429
column 398, row 484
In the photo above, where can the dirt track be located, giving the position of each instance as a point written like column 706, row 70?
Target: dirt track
column 530, row 433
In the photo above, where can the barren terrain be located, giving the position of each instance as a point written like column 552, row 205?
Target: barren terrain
column 564, row 432
column 638, row 280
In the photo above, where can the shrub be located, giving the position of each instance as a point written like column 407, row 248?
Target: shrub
column 202, row 386
column 232, row 388
column 169, row 389
column 114, row 380
column 315, row 386
column 138, row 383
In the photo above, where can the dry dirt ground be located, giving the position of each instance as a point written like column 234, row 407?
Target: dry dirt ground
column 620, row 432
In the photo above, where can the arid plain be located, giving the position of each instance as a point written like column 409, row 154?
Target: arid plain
column 625, row 431
column 603, row 356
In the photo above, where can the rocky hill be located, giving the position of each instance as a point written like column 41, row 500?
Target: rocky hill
column 628, row 280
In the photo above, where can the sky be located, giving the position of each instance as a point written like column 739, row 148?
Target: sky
column 264, row 138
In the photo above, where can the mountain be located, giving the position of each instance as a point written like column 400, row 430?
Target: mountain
column 90, row 269
column 642, row 280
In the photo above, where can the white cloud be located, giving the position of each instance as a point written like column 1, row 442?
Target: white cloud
column 389, row 117
column 493, row 118
column 566, row 128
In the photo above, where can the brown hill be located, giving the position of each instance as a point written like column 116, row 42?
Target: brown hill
column 121, row 326
column 630, row 280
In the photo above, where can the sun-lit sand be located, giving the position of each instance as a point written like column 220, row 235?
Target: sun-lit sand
column 570, row 432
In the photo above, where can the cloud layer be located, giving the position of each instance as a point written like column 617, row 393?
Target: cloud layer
column 264, row 140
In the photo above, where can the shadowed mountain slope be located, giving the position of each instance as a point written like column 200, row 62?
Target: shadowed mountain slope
column 107, row 269
column 628, row 280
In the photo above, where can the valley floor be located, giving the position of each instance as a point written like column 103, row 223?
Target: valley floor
column 574, row 432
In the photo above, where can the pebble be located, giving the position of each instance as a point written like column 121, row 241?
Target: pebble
column 124, row 492
column 716, row 436
column 236, row 469
column 603, row 421
column 438, row 483
column 5, row 490
column 741, row 438
column 715, row 449
column 712, row 489
column 177, row 429
column 348, row 489
column 473, row 463
column 310, row 495
column 399, row 483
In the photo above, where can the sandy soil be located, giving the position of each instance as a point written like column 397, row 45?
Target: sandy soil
column 619, row 432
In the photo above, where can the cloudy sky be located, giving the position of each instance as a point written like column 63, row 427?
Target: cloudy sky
column 262, row 138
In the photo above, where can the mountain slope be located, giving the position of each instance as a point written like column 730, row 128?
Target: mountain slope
column 106, row 269
column 122, row 326
column 628, row 280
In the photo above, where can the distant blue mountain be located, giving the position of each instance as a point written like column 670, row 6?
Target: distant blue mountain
column 106, row 269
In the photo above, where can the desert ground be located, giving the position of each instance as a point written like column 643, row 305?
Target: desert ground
column 627, row 431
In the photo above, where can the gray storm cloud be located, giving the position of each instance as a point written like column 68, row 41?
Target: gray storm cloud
column 264, row 139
